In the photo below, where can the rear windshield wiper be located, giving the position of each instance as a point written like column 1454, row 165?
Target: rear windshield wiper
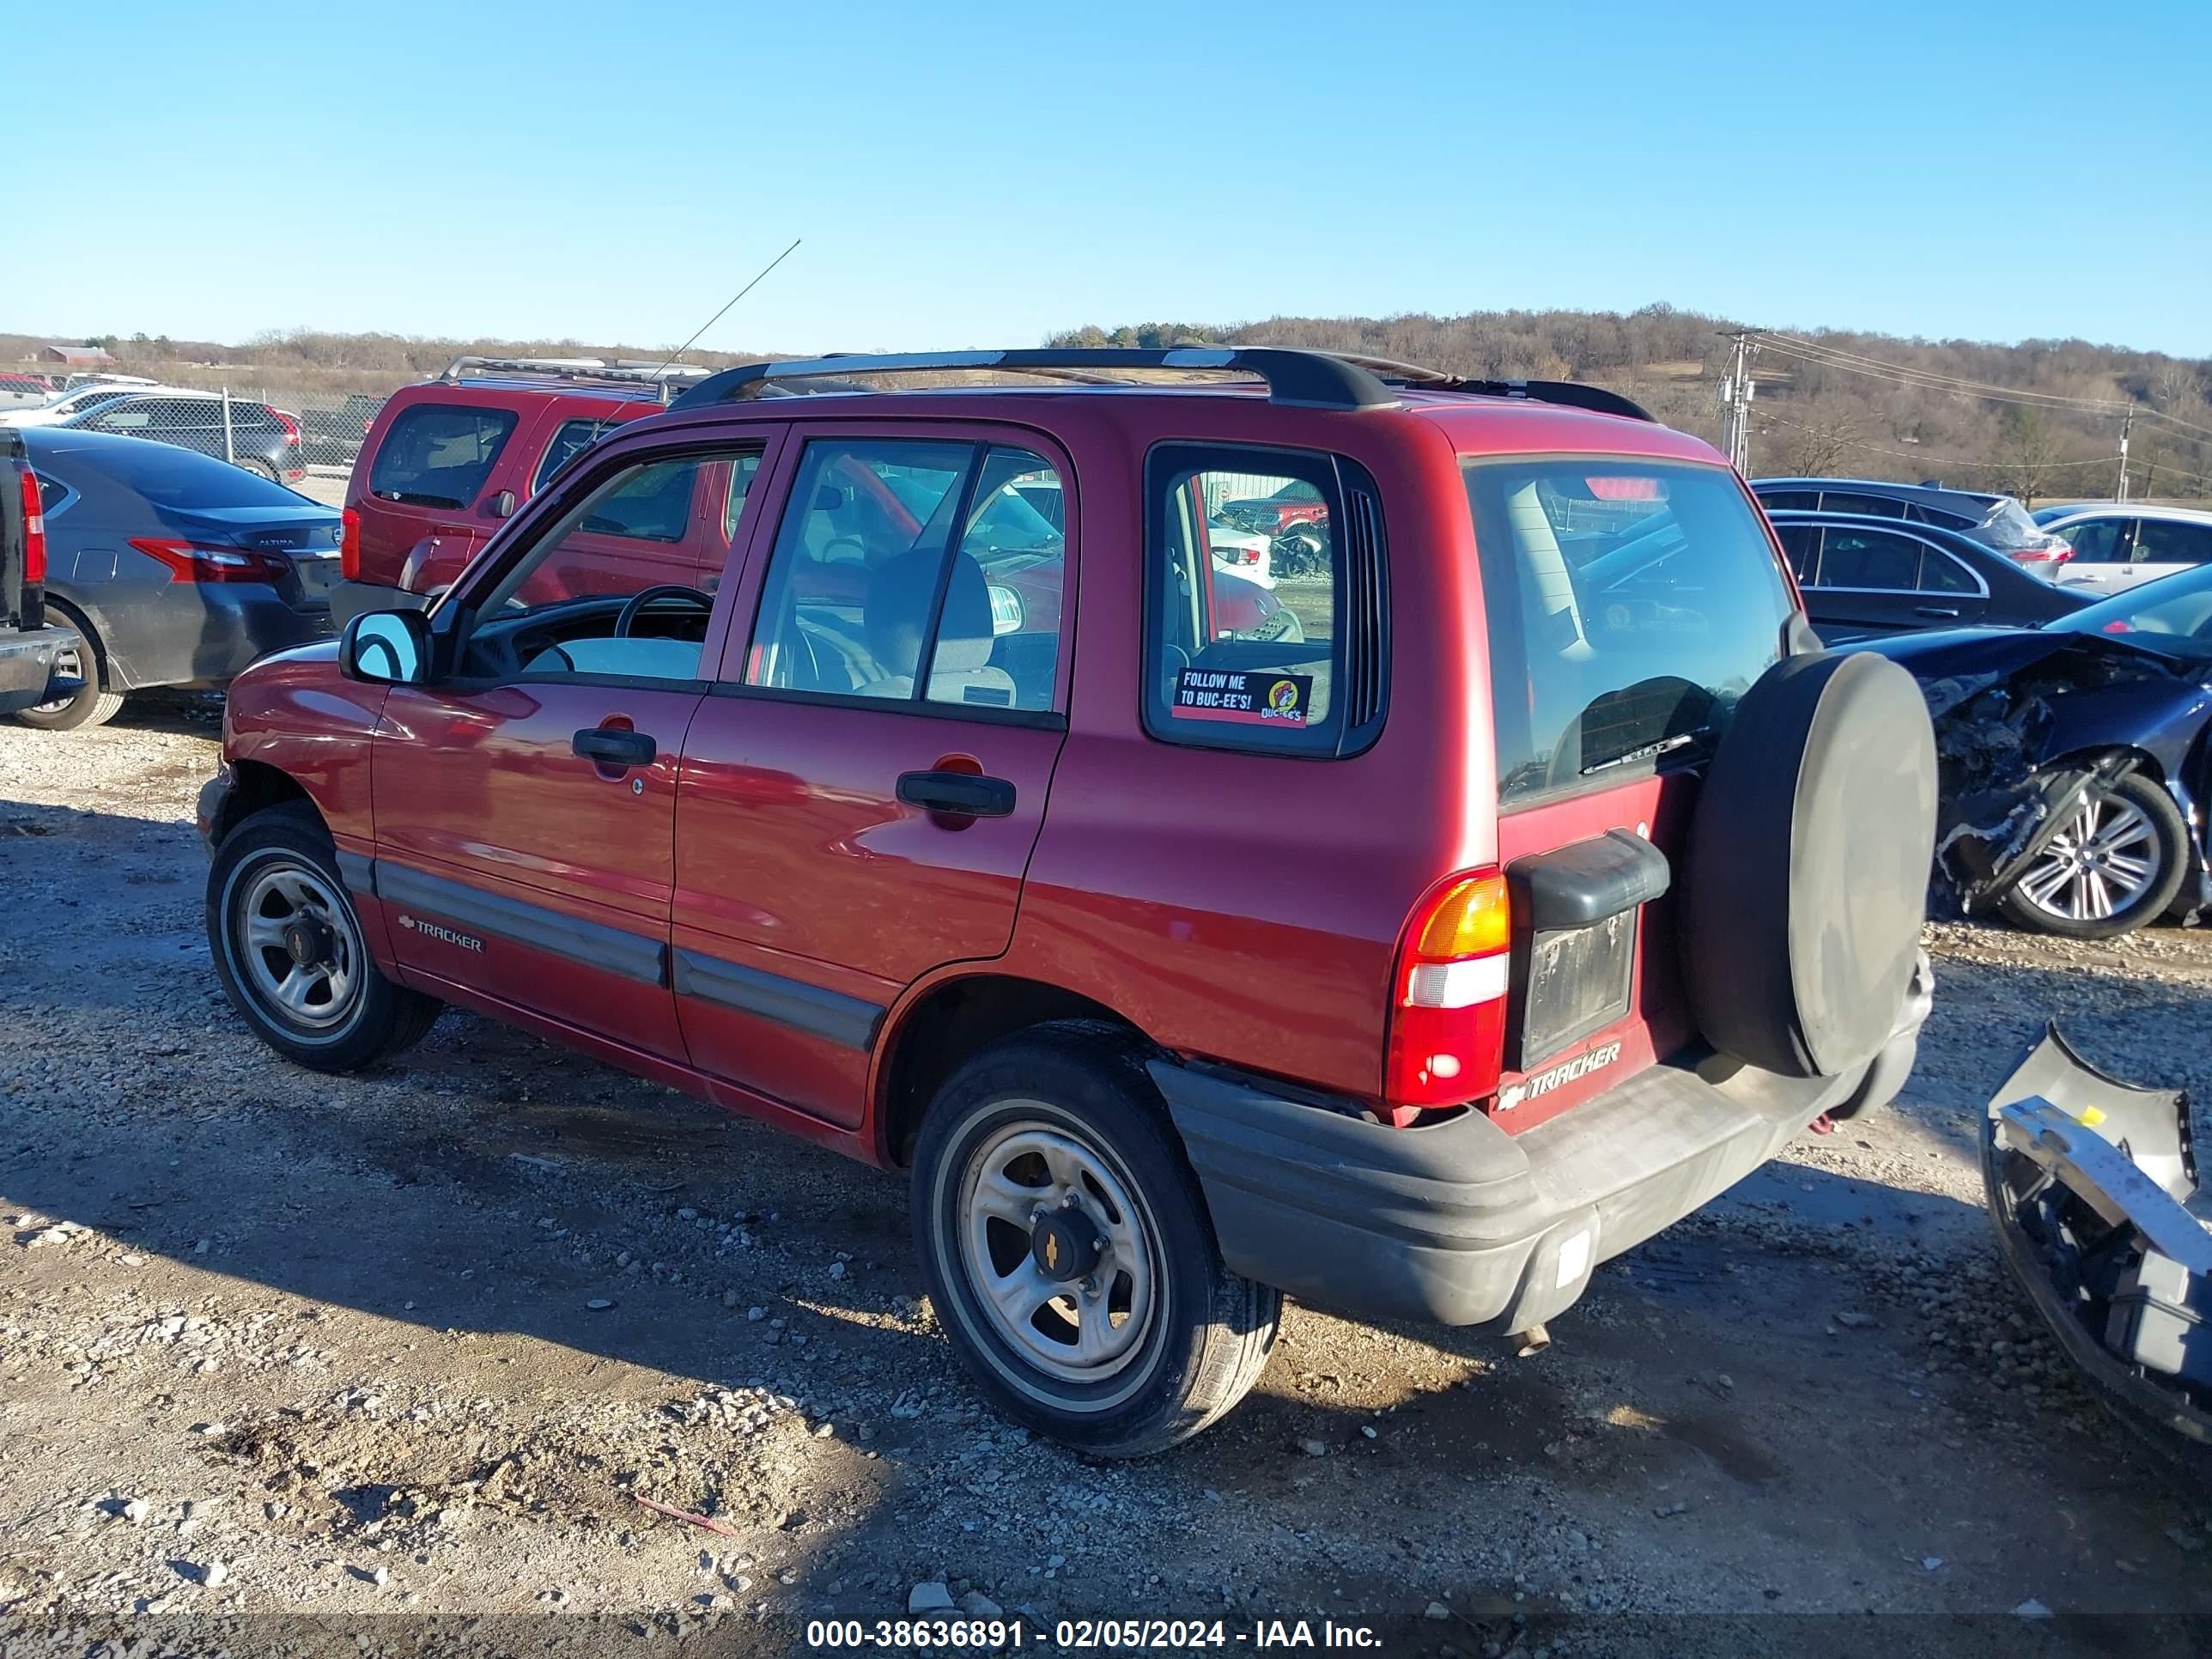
column 1649, row 751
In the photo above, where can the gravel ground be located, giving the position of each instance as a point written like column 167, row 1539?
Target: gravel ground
column 278, row 1350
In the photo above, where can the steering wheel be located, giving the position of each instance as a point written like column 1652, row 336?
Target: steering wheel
column 626, row 619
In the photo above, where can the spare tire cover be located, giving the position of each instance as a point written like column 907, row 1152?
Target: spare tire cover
column 1807, row 874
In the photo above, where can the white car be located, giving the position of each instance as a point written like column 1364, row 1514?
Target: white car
column 1240, row 552
column 55, row 409
column 2117, row 545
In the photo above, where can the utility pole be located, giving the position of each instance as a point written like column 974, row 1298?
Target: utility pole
column 1736, row 396
column 2127, row 425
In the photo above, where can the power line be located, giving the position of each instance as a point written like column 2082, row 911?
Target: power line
column 1929, row 379
column 1782, row 342
column 1896, row 374
column 1925, row 460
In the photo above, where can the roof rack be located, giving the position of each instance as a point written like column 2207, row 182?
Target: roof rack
column 1309, row 380
column 1294, row 375
column 1571, row 394
column 581, row 371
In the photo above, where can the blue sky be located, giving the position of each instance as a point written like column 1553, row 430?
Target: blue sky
column 982, row 174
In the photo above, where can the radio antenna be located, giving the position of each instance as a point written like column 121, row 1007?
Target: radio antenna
column 718, row 316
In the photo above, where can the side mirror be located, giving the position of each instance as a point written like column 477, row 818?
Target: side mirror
column 387, row 647
column 502, row 505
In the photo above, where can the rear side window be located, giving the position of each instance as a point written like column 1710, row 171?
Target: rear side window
column 1231, row 662
column 439, row 454
column 1790, row 501
column 1629, row 606
column 914, row 572
column 2163, row 541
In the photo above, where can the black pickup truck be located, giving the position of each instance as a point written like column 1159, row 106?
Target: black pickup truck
column 37, row 659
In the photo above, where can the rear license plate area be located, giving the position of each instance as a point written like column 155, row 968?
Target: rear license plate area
column 1570, row 982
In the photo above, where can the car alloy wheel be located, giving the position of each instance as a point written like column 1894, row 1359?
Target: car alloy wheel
column 68, row 664
column 2103, row 860
column 297, row 947
column 1060, row 1250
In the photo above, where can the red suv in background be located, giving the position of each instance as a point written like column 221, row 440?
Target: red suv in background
column 444, row 462
column 1541, row 884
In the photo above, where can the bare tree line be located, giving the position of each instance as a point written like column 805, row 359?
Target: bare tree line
column 1814, row 417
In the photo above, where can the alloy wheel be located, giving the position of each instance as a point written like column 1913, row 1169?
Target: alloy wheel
column 2103, row 861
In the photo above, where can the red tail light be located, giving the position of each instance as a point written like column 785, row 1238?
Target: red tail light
column 291, row 427
column 189, row 562
column 349, row 545
column 35, row 529
column 2056, row 554
column 1447, row 1040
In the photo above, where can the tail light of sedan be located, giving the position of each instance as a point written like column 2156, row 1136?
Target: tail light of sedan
column 2045, row 559
column 192, row 561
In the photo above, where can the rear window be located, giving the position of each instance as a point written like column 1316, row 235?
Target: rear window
column 439, row 454
column 166, row 474
column 1630, row 605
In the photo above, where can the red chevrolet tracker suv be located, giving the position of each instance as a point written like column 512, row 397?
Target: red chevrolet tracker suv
column 1537, row 886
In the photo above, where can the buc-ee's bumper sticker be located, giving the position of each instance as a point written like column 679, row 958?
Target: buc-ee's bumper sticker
column 1254, row 697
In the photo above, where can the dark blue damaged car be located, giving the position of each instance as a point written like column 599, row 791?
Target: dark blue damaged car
column 2075, row 771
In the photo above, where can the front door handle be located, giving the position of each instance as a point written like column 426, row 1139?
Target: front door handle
column 611, row 745
column 1942, row 611
column 960, row 793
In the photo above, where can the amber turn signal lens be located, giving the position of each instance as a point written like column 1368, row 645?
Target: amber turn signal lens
column 1470, row 918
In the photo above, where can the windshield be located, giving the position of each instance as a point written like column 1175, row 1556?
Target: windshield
column 2172, row 616
column 1630, row 604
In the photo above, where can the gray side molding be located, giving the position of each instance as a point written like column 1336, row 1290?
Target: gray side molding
column 633, row 955
column 849, row 1021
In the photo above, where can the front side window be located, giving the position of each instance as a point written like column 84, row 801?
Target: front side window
column 896, row 553
column 563, row 608
column 1629, row 606
column 1842, row 500
column 1231, row 662
column 1869, row 561
column 439, row 454
column 572, row 440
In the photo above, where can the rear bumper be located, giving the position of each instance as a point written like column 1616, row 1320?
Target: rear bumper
column 27, row 666
column 1465, row 1224
column 205, row 633
column 349, row 599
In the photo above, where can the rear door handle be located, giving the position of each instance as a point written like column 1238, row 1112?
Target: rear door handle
column 611, row 745
column 961, row 793
column 1948, row 614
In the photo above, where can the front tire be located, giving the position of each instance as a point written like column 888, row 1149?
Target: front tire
column 2116, row 866
column 289, row 948
column 1065, row 1246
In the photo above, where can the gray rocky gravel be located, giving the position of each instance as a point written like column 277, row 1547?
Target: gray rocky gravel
column 470, row 1338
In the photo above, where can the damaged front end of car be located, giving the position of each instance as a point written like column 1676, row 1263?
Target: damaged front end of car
column 2019, row 742
column 2088, row 1182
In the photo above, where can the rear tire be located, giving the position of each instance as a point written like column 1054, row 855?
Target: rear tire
column 256, row 466
column 289, row 951
column 2136, row 845
column 1062, row 1123
column 90, row 707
